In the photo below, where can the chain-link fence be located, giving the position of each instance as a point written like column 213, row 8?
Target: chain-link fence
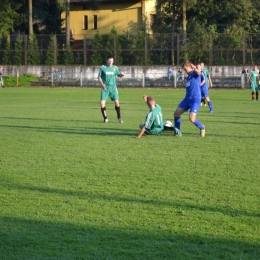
column 140, row 49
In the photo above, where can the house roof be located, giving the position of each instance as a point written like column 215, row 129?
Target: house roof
column 105, row 1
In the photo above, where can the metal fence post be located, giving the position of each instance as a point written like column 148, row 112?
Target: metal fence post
column 178, row 49
column 52, row 70
column 115, row 48
column 143, row 80
column 25, row 49
column 81, row 80
column 146, row 49
column 244, row 49
column 175, row 79
column 17, row 77
column 85, row 50
column 55, row 49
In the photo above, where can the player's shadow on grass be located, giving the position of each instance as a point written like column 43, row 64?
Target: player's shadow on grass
column 77, row 130
column 134, row 200
column 83, row 238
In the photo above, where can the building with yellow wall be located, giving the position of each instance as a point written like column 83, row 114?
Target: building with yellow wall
column 127, row 16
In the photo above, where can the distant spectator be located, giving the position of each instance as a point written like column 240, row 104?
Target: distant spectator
column 1, row 78
column 180, row 75
column 245, row 71
column 244, row 77
column 169, row 73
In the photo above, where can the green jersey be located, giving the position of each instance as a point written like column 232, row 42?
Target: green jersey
column 154, row 120
column 254, row 76
column 206, row 72
column 108, row 75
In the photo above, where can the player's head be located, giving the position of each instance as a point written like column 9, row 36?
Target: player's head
column 199, row 66
column 187, row 66
column 254, row 67
column 110, row 60
column 151, row 102
column 202, row 65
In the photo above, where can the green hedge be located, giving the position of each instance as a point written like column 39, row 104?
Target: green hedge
column 23, row 81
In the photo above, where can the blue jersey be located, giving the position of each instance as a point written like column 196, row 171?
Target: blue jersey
column 203, row 77
column 193, row 90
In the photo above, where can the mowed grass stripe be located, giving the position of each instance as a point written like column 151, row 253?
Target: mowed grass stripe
column 75, row 188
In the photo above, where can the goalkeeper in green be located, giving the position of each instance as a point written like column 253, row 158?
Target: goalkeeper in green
column 107, row 78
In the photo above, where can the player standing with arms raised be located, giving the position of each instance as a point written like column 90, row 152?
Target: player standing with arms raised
column 107, row 78
column 192, row 98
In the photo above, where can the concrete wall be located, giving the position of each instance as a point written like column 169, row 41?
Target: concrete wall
column 152, row 76
column 131, row 71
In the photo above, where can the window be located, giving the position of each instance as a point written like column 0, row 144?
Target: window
column 85, row 22
column 95, row 22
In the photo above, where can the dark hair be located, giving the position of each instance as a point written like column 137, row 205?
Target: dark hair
column 110, row 57
column 185, row 63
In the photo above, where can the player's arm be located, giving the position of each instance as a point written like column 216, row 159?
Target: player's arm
column 141, row 132
column 202, row 79
column 119, row 73
column 102, row 83
column 250, row 79
column 145, row 98
column 210, row 82
column 100, row 80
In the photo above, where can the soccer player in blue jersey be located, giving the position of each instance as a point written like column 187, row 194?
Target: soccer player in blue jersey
column 204, row 89
column 191, row 100
column 154, row 119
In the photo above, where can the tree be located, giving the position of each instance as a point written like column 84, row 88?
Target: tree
column 113, row 45
column 97, row 44
column 30, row 17
column 67, row 22
column 8, row 14
column 51, row 59
column 33, row 51
column 18, row 58
column 7, row 51
column 68, row 58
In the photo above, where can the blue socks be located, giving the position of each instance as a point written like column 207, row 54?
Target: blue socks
column 210, row 106
column 177, row 122
column 198, row 124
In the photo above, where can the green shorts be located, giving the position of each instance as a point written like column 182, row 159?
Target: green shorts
column 254, row 86
column 112, row 93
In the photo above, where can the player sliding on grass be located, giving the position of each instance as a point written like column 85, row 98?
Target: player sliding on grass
column 192, row 99
column 154, row 119
column 107, row 78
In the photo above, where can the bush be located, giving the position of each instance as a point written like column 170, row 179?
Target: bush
column 24, row 80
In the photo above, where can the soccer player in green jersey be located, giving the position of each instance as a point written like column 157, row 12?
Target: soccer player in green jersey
column 154, row 119
column 107, row 78
column 253, row 79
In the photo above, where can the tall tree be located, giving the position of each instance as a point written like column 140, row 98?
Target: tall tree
column 18, row 58
column 8, row 15
column 30, row 8
column 67, row 22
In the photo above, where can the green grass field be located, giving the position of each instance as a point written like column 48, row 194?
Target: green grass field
column 75, row 188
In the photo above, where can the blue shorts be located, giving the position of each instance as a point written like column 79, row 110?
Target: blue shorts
column 190, row 104
column 204, row 92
